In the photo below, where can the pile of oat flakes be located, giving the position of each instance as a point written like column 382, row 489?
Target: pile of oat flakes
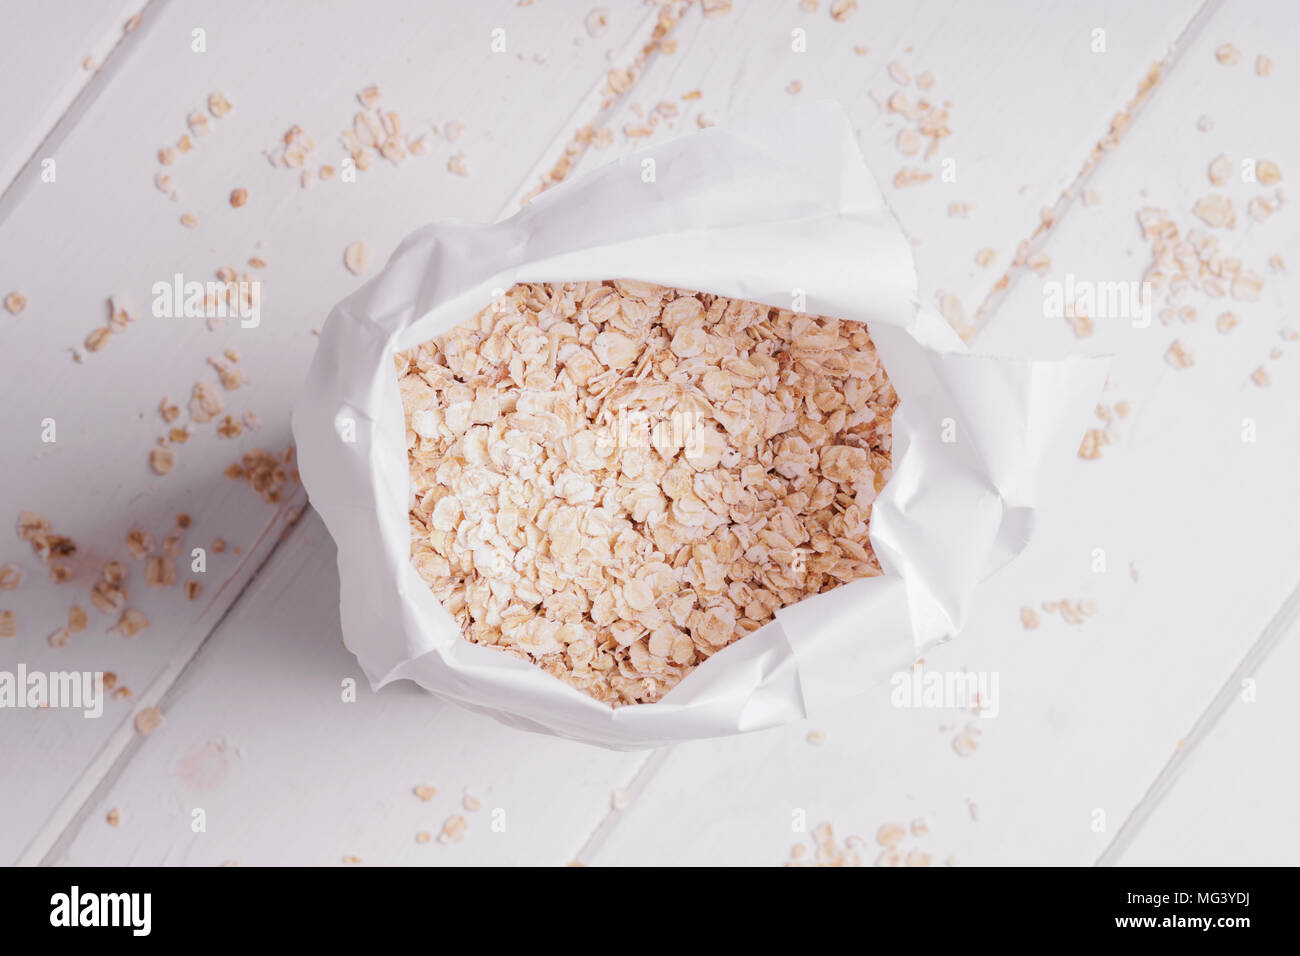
column 615, row 480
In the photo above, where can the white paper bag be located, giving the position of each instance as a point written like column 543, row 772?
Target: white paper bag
column 763, row 212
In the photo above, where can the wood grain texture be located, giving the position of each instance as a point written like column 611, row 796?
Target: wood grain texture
column 258, row 736
column 103, row 229
column 1027, row 96
column 1230, row 804
column 54, row 53
column 1089, row 716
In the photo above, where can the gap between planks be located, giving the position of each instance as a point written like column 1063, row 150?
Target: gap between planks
column 1287, row 615
column 96, row 82
column 110, row 762
column 120, row 748
column 1073, row 193
column 1277, row 628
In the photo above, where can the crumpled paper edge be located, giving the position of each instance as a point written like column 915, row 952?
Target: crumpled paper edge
column 792, row 195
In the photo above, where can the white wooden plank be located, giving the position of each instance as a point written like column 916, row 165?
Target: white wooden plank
column 1233, row 802
column 1063, row 745
column 1089, row 714
column 258, row 736
column 102, row 228
column 53, row 51
column 1029, row 101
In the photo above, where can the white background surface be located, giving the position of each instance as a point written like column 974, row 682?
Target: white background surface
column 1121, row 740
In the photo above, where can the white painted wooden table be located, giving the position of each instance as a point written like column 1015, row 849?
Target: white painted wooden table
column 1125, row 739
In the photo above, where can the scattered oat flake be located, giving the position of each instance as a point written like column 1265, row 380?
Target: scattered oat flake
column 193, row 589
column 966, row 742
column 426, row 792
column 357, row 258
column 11, row 576
column 597, row 21
column 1227, row 54
column 218, row 105
column 794, row 87
column 423, row 837
column 352, row 860
column 458, row 164
column 160, row 571
column 471, row 803
column 238, row 197
column 1246, row 287
column 162, row 460
column 911, row 176
column 1220, row 169
column 1260, row 377
column 816, row 738
column 899, row 73
column 953, row 312
column 453, row 830
column 1028, row 618
column 619, row 798
column 131, row 623
column 265, row 473
column 1267, row 173
column 15, row 302
column 148, row 720
column 1263, row 65
column 1260, row 209
column 189, row 220
column 1216, row 211
column 841, row 10
column 891, row 834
